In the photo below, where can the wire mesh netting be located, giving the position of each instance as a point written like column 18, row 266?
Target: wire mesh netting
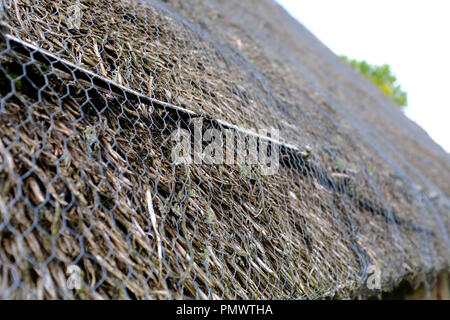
column 92, row 93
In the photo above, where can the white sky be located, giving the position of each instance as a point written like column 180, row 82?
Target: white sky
column 412, row 36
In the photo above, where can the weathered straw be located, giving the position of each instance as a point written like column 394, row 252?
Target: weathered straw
column 86, row 176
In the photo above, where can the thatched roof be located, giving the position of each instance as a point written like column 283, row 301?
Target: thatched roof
column 86, row 176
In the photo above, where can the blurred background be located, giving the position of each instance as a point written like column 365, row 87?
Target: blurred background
column 410, row 36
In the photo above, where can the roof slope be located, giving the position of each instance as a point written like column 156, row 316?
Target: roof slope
column 87, row 178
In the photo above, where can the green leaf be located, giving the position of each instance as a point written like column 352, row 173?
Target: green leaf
column 383, row 77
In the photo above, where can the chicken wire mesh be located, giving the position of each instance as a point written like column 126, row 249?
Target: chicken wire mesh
column 92, row 93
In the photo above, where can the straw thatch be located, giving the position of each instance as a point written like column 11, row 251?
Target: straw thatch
column 86, row 176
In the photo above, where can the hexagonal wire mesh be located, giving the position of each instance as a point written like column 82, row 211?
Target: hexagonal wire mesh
column 93, row 205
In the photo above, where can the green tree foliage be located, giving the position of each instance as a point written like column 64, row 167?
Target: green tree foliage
column 383, row 78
